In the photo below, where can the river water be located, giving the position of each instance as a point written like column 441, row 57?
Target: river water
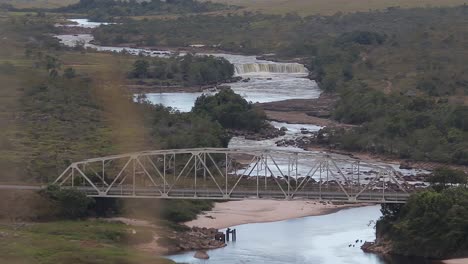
column 327, row 239
column 267, row 81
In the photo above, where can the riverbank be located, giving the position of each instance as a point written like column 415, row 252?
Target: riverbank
column 456, row 261
column 234, row 213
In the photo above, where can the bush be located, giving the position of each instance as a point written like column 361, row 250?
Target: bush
column 183, row 210
column 71, row 203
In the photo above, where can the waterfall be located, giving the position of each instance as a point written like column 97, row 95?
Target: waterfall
column 269, row 68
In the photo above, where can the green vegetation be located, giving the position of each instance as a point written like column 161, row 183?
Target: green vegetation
column 183, row 210
column 443, row 178
column 400, row 73
column 61, row 106
column 419, row 128
column 231, row 111
column 78, row 242
column 70, row 204
column 330, row 7
column 38, row 3
column 186, row 70
column 432, row 224
column 106, row 10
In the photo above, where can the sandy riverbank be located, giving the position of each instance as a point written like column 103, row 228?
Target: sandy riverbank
column 235, row 213
column 456, row 261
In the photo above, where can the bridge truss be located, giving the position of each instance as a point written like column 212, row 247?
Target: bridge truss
column 234, row 174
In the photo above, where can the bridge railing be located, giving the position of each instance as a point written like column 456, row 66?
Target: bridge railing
column 235, row 174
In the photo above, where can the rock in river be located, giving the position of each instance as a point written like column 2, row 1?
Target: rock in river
column 201, row 255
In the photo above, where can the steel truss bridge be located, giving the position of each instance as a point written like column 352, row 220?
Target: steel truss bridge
column 235, row 174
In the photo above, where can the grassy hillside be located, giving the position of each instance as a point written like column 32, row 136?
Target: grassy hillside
column 329, row 7
column 59, row 106
column 38, row 3
column 59, row 242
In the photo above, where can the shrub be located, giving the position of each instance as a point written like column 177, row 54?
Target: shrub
column 71, row 203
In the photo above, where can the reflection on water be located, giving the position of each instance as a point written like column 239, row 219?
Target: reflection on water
column 327, row 239
column 182, row 102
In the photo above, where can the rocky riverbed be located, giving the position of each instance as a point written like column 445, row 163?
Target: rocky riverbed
column 196, row 238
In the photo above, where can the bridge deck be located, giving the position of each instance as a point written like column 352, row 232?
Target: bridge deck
column 234, row 174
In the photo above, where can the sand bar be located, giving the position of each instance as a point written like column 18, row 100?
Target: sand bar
column 234, row 213
column 456, row 261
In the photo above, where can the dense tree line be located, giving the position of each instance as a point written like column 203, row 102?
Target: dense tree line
column 185, row 70
column 419, row 128
column 431, row 224
column 105, row 10
column 427, row 44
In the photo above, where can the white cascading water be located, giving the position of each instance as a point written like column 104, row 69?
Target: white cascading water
column 247, row 68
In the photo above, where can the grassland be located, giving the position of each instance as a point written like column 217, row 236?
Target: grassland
column 329, row 7
column 76, row 242
column 38, row 3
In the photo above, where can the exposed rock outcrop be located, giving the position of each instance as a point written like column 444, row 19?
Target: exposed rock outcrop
column 201, row 255
column 196, row 238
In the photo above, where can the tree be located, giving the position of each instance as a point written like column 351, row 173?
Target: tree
column 431, row 224
column 140, row 69
column 443, row 178
column 230, row 110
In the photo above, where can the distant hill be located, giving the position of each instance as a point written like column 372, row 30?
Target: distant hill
column 328, row 7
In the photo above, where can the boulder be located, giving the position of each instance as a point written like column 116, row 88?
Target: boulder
column 405, row 165
column 201, row 255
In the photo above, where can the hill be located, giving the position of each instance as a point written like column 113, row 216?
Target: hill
column 330, row 7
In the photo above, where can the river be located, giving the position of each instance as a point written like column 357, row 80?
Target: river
column 327, row 239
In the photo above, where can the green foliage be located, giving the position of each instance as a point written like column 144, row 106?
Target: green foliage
column 230, row 110
column 183, row 210
column 431, row 224
column 186, row 70
column 140, row 69
column 173, row 130
column 415, row 49
column 419, row 128
column 53, row 117
column 443, row 178
column 70, row 203
column 360, row 37
column 105, row 10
